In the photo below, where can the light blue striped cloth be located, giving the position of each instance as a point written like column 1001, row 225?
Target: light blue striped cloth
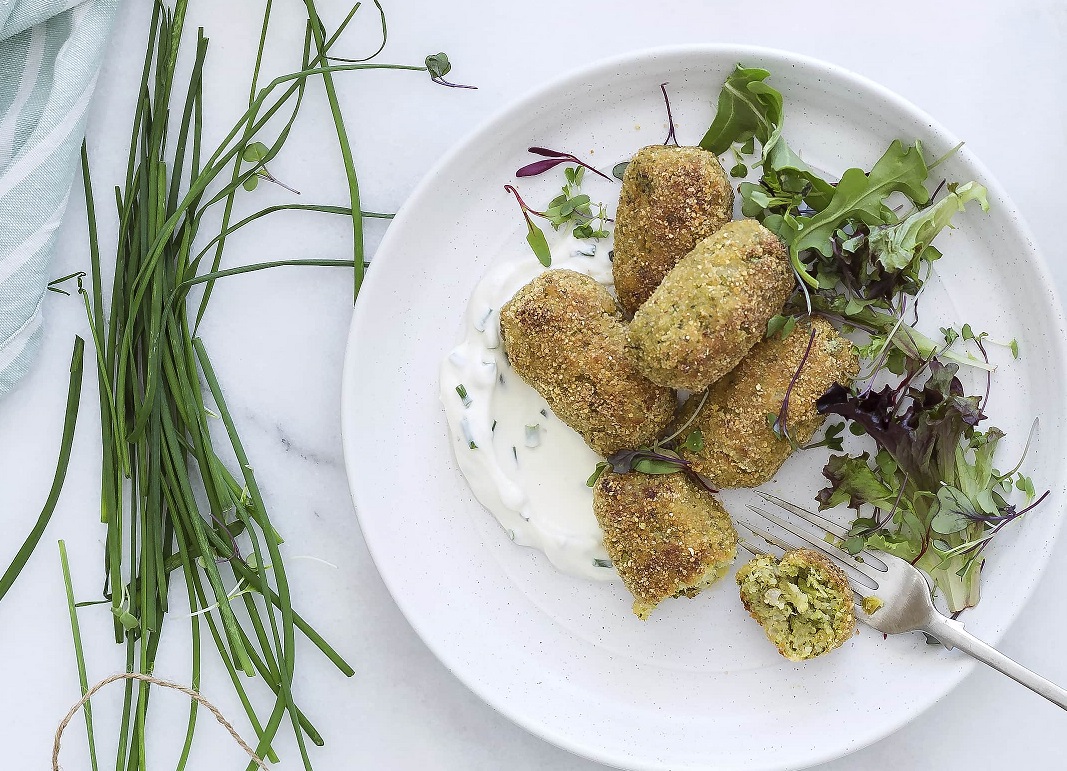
column 50, row 52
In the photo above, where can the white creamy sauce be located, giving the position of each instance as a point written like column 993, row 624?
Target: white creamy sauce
column 526, row 467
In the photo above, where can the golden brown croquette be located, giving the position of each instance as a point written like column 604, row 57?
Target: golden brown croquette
column 740, row 447
column 666, row 535
column 564, row 335
column 672, row 198
column 712, row 307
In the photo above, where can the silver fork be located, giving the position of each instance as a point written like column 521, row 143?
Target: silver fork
column 903, row 589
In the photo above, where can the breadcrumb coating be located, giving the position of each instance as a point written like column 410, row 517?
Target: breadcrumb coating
column 564, row 335
column 666, row 535
column 672, row 198
column 712, row 307
column 740, row 447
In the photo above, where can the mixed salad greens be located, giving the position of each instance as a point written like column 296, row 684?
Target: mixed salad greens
column 929, row 492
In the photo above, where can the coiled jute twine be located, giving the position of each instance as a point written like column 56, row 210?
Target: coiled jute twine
column 165, row 684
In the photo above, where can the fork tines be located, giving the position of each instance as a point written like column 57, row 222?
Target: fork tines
column 859, row 570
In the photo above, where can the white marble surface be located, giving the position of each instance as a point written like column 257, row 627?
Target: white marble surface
column 993, row 72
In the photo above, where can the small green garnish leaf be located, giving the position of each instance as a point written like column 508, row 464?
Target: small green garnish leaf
column 128, row 620
column 739, row 171
column 694, row 441
column 251, row 183
column 781, row 326
column 438, row 65
column 654, row 466
column 898, row 246
column 1025, row 485
column 600, row 468
column 1014, row 346
column 535, row 237
column 619, row 169
column 255, row 152
column 853, row 545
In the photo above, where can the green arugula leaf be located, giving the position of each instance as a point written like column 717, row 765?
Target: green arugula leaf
column 747, row 108
column 861, row 197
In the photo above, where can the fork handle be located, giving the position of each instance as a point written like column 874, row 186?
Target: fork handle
column 953, row 635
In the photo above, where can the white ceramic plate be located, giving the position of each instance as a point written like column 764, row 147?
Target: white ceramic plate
column 697, row 686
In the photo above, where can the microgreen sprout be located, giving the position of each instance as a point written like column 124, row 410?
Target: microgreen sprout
column 438, row 66
column 553, row 158
column 574, row 207
column 535, row 237
column 255, row 154
column 619, row 170
column 462, row 391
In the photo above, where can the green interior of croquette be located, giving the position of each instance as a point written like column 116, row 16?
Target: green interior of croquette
column 798, row 609
column 705, row 579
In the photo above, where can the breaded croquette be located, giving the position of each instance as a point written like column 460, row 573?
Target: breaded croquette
column 803, row 602
column 672, row 198
column 564, row 335
column 666, row 535
column 740, row 446
column 712, row 307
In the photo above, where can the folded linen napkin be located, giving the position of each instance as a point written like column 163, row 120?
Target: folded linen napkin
column 50, row 53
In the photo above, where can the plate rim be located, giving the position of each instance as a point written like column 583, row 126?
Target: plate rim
column 529, row 100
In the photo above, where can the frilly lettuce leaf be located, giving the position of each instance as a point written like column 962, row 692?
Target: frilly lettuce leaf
column 896, row 246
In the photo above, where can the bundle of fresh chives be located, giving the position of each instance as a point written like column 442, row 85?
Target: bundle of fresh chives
column 154, row 413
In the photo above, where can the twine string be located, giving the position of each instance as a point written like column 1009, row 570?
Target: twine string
column 165, row 684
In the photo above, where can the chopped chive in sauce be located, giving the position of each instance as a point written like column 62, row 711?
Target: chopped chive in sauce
column 544, row 413
column 468, row 434
column 493, row 427
column 515, row 454
column 602, row 563
column 462, row 391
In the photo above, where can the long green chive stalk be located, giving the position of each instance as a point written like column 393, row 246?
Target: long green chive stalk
column 79, row 654
column 169, row 499
column 65, row 444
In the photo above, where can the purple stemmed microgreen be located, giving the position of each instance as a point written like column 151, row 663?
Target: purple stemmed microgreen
column 655, row 460
column 671, row 136
column 535, row 237
column 438, row 66
column 553, row 158
column 778, row 423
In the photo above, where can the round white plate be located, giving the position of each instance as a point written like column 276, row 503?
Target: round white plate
column 697, row 686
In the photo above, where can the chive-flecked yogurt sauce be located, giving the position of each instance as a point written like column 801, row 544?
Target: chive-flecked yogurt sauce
column 522, row 463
